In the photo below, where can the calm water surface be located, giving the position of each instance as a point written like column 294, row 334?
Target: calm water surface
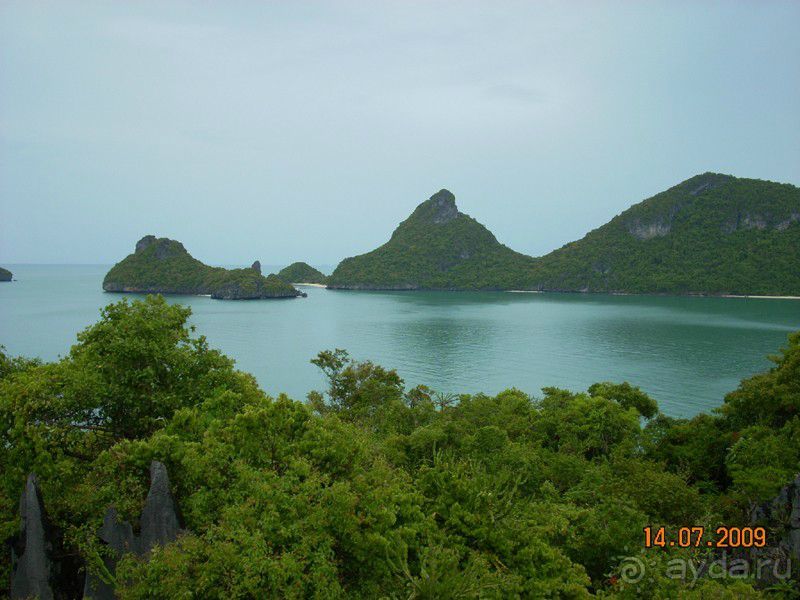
column 686, row 352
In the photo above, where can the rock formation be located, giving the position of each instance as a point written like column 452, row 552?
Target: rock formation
column 32, row 567
column 5, row 274
column 159, row 525
column 781, row 517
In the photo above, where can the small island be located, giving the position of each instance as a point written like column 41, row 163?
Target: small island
column 5, row 274
column 300, row 272
column 436, row 248
column 163, row 266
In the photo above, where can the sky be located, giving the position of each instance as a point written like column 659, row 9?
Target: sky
column 285, row 131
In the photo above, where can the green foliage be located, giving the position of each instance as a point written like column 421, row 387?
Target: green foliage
column 301, row 272
column 712, row 234
column 627, row 395
column 370, row 490
column 163, row 266
column 771, row 398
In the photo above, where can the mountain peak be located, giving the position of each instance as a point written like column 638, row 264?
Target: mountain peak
column 440, row 208
column 164, row 247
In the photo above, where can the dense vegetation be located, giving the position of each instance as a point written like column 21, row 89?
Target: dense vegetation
column 372, row 490
column 710, row 234
column 300, row 272
column 164, row 266
column 5, row 274
column 437, row 247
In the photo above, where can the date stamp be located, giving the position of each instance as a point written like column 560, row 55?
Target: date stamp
column 700, row 537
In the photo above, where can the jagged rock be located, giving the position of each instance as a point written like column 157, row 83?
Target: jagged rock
column 781, row 517
column 144, row 243
column 118, row 535
column 159, row 523
column 443, row 205
column 256, row 266
column 159, row 526
column 783, row 513
column 31, row 564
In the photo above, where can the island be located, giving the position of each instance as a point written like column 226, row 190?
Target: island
column 5, row 274
column 436, row 248
column 163, row 266
column 300, row 272
column 711, row 234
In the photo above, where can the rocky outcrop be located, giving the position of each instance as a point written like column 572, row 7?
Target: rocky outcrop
column 746, row 221
column 649, row 231
column 40, row 567
column 782, row 516
column 5, row 274
column 443, row 207
column 159, row 525
column 256, row 266
column 31, row 557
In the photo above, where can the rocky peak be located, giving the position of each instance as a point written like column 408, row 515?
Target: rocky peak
column 705, row 182
column 144, row 243
column 441, row 207
column 164, row 247
column 256, row 266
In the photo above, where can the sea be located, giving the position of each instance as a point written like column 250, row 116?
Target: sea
column 686, row 352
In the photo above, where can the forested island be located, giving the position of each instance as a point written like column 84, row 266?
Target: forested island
column 161, row 265
column 370, row 489
column 711, row 234
column 300, row 272
column 5, row 274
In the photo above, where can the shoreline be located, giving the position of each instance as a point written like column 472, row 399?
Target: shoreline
column 760, row 297
column 317, row 285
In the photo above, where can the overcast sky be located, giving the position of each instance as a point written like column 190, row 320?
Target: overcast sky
column 307, row 131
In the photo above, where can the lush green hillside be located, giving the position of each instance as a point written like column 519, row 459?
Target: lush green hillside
column 713, row 234
column 372, row 490
column 301, row 272
column 437, row 247
column 710, row 234
column 5, row 274
column 161, row 265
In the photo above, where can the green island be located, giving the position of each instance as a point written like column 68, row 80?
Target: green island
column 437, row 247
column 161, row 265
column 300, row 272
column 372, row 490
column 5, row 274
column 711, row 234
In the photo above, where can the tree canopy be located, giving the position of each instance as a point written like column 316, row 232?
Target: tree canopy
column 369, row 489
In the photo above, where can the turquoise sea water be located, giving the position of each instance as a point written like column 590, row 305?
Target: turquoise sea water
column 686, row 352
